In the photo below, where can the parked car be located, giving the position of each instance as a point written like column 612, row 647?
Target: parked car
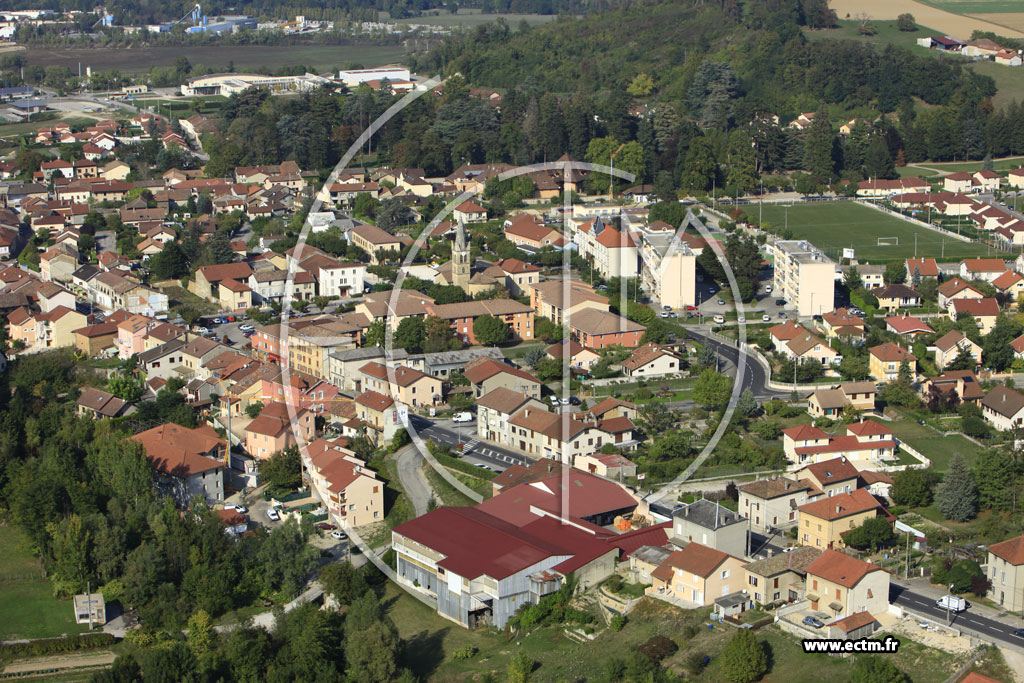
column 766, row 317
column 565, row 401
column 326, row 526
column 742, row 319
column 462, row 417
column 1019, row 632
column 241, row 509
column 574, row 401
column 780, row 302
column 230, row 319
column 719, row 319
column 273, row 515
column 246, row 327
column 691, row 308
column 721, row 302
column 554, row 400
column 782, row 314
column 665, row 314
column 481, row 466
column 338, row 535
column 812, row 621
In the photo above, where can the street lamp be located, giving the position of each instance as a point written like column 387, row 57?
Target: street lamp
column 948, row 602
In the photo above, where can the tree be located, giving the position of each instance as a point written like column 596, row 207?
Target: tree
column 874, row 669
column 439, row 336
column 254, row 409
column 641, row 85
column 747, row 405
column 410, row 334
column 996, row 349
column 656, row 418
column 745, row 658
column 125, row 387
column 520, row 668
column 490, row 331
column 996, row 477
column 895, row 273
column 658, row 332
column 913, row 488
column 964, row 360
column 820, row 147
column 852, row 279
column 877, row 160
column 375, row 334
column 201, row 636
column 873, row 533
column 958, row 494
column 169, row 264
column 906, row 22
column 282, row 470
column 712, row 389
column 371, row 652
column 533, row 356
column 343, row 581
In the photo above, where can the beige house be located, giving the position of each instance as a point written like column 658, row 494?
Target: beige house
column 829, row 477
column 408, row 386
column 884, row 361
column 780, row 577
column 1005, row 569
column 823, row 522
column 379, row 414
column 350, row 490
column 573, row 354
column 984, row 311
column 494, row 410
column 548, row 300
column 807, row 347
column 372, row 239
column 841, row 323
column 956, row 288
column 843, row 585
column 696, row 575
column 951, row 345
column 832, row 402
column 487, row 374
column 772, row 503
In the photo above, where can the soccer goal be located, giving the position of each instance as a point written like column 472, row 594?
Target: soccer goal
column 888, row 242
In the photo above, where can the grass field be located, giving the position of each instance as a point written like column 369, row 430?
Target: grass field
column 1004, row 164
column 931, row 444
column 244, row 57
column 430, row 642
column 831, row 226
column 976, row 6
column 26, row 600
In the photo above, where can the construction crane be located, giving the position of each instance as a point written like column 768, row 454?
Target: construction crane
column 194, row 14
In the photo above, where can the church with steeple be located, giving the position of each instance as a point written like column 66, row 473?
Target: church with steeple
column 462, row 271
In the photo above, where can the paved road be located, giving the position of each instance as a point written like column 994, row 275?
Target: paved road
column 754, row 376
column 967, row 621
column 474, row 450
column 410, row 462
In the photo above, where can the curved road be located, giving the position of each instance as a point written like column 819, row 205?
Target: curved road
column 755, row 377
column 414, row 482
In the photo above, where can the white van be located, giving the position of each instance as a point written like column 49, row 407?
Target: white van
column 462, row 417
column 951, row 602
column 720, row 319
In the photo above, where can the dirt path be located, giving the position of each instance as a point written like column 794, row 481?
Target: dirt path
column 60, row 662
column 957, row 25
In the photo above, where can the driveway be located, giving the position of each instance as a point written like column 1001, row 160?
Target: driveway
column 410, row 473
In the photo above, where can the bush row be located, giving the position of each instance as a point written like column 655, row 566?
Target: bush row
column 49, row 646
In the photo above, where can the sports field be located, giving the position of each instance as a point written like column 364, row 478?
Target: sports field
column 833, row 226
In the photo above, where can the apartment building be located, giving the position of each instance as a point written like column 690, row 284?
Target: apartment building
column 1005, row 568
column 668, row 269
column 606, row 243
column 350, row 490
column 804, row 277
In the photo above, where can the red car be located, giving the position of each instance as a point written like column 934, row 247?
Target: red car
column 691, row 308
column 326, row 526
column 230, row 318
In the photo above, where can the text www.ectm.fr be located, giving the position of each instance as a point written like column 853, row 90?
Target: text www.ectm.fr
column 831, row 646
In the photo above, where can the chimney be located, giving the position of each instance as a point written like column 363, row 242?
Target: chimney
column 838, row 508
column 842, row 458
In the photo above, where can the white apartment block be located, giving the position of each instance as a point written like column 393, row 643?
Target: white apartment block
column 606, row 246
column 804, row 276
column 668, row 272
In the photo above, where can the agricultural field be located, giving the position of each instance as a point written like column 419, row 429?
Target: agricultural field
column 832, row 226
column 942, row 15
column 1008, row 13
column 243, row 57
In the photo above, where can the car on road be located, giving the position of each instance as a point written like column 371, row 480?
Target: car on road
column 741, row 319
column 719, row 319
column 481, row 466
column 952, row 603
column 326, row 526
column 812, row 621
column 273, row 515
column 1019, row 632
column 766, row 317
column 338, row 535
column 462, row 417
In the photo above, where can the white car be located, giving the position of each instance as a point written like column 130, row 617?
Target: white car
column 273, row 515
column 201, row 330
column 483, row 467
column 554, row 400
column 246, row 327
column 565, row 401
column 766, row 317
column 462, row 417
column 741, row 319
column 338, row 535
column 664, row 314
column 719, row 319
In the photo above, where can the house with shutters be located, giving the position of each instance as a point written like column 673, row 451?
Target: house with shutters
column 651, row 360
column 868, row 443
column 772, row 503
column 950, row 345
column 842, row 585
column 1005, row 572
column 780, row 577
column 884, row 361
column 695, row 575
column 709, row 523
column 822, row 523
column 348, row 488
column 956, row 288
column 186, row 462
column 1003, row 408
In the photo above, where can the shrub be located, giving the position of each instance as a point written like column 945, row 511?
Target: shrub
column 657, row 648
column 617, row 622
column 50, row 646
column 464, row 653
column 695, row 663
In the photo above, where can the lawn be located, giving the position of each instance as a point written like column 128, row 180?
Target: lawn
column 27, row 604
column 933, row 445
column 1004, row 164
column 976, row 6
column 430, row 642
column 886, row 33
column 832, row 226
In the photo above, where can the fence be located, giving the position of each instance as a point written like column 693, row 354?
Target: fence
column 923, row 224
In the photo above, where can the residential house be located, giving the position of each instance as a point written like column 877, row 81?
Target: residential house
column 1003, row 408
column 832, row 402
column 462, row 316
column 907, row 326
column 842, row 324
column 1005, row 570
column 697, row 574
column 783, row 333
column 984, row 269
column 807, row 347
column 710, row 524
column 596, row 329
column 845, row 585
column 530, row 232
column 1011, row 286
column 956, row 288
column 187, row 462
column 406, row 385
column 273, row 430
column 494, row 410
column 372, row 240
column 921, row 268
column 379, row 414
column 613, row 466
column 468, row 212
column 519, row 276
column 209, row 279
column 951, row 345
column 869, row 443
column 829, row 478
column 984, row 311
column 487, row 374
column 781, row 577
column 953, row 387
column 897, row 296
column 548, row 299
column 350, row 490
column 130, row 334
column 93, row 402
column 772, row 503
column 651, row 360
column 574, row 355
column 92, row 340
column 961, row 182
column 823, row 522
column 885, row 360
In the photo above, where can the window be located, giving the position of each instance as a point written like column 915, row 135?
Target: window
column 870, row 595
column 752, row 580
column 815, row 586
column 775, row 583
column 724, row 574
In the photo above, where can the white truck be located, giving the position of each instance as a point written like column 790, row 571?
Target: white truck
column 952, row 603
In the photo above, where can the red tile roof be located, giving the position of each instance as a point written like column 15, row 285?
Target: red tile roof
column 694, row 558
column 583, row 494
column 868, row 428
column 838, row 568
column 804, row 433
column 841, row 505
column 979, row 308
column 854, row 621
column 891, row 352
column 1011, row 550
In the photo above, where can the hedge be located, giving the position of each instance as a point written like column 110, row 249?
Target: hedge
column 50, row 646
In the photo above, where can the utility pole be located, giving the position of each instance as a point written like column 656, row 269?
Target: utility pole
column 906, row 574
column 915, row 245
column 949, row 620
